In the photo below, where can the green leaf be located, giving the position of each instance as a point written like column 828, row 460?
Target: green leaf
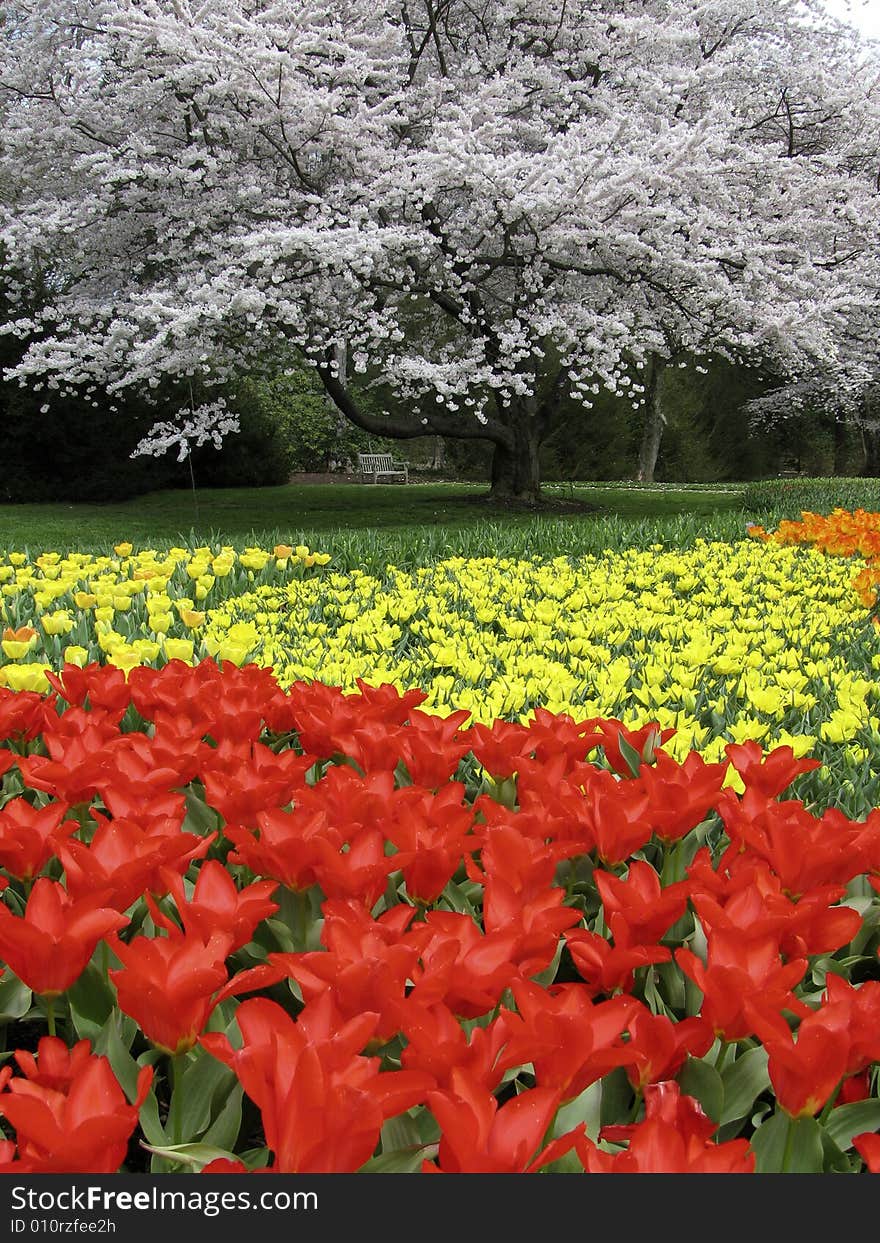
column 455, row 896
column 150, row 1122
column 91, row 1002
column 195, row 1155
column 671, row 985
column 15, row 999
column 584, row 1108
column 702, row 1081
column 548, row 975
column 200, row 818
column 223, row 1131
column 110, row 1043
column 617, row 1097
column 255, row 1158
column 848, row 1120
column 784, row 1145
column 399, row 1133
column 204, row 1080
column 835, row 1161
column 280, row 933
column 401, row 1161
column 632, row 757
column 505, row 792
column 744, row 1081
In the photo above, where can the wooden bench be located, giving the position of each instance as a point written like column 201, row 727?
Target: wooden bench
column 376, row 466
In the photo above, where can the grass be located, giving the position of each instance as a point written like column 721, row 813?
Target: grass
column 375, row 523
column 372, row 526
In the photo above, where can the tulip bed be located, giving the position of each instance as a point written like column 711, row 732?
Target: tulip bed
column 721, row 642
column 126, row 609
column 842, row 533
column 305, row 930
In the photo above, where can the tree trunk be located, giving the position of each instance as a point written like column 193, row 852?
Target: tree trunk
column 516, row 474
column 516, row 433
column 652, row 433
column 840, row 446
column 871, row 445
column 438, row 458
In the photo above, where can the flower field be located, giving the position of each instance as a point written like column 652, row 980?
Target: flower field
column 505, row 865
column 721, row 641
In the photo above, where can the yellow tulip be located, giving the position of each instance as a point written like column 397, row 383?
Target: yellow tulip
column 124, row 658
column 109, row 640
column 179, row 649
column 122, row 550
column 15, row 650
column 160, row 623
column 31, row 677
column 84, row 600
column 57, row 623
column 17, row 643
column 192, row 618
column 74, row 655
column 149, row 649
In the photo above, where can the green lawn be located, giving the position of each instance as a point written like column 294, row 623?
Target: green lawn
column 438, row 517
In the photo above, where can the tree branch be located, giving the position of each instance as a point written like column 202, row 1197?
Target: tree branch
column 403, row 428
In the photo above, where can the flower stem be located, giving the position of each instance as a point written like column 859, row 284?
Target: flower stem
column 789, row 1144
column 175, row 1109
column 723, row 1054
column 50, row 1013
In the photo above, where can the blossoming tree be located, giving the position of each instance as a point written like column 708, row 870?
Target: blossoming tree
column 468, row 218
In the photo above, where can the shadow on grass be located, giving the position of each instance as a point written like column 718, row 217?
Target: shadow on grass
column 242, row 514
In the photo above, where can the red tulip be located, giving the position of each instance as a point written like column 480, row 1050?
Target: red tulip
column 867, row 1145
column 122, row 862
column 99, row 686
column 69, row 1112
column 637, row 910
column 50, row 946
column 744, row 984
column 674, row 1138
column 30, row 836
column 481, row 1137
column 367, row 963
column 322, row 1104
column 216, row 905
column 769, row 773
column 170, row 985
column 570, row 1040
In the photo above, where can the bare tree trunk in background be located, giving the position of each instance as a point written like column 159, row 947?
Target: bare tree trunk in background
column 871, row 450
column 839, row 446
column 652, row 433
column 438, row 459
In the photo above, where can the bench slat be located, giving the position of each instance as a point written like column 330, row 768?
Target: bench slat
column 372, row 465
